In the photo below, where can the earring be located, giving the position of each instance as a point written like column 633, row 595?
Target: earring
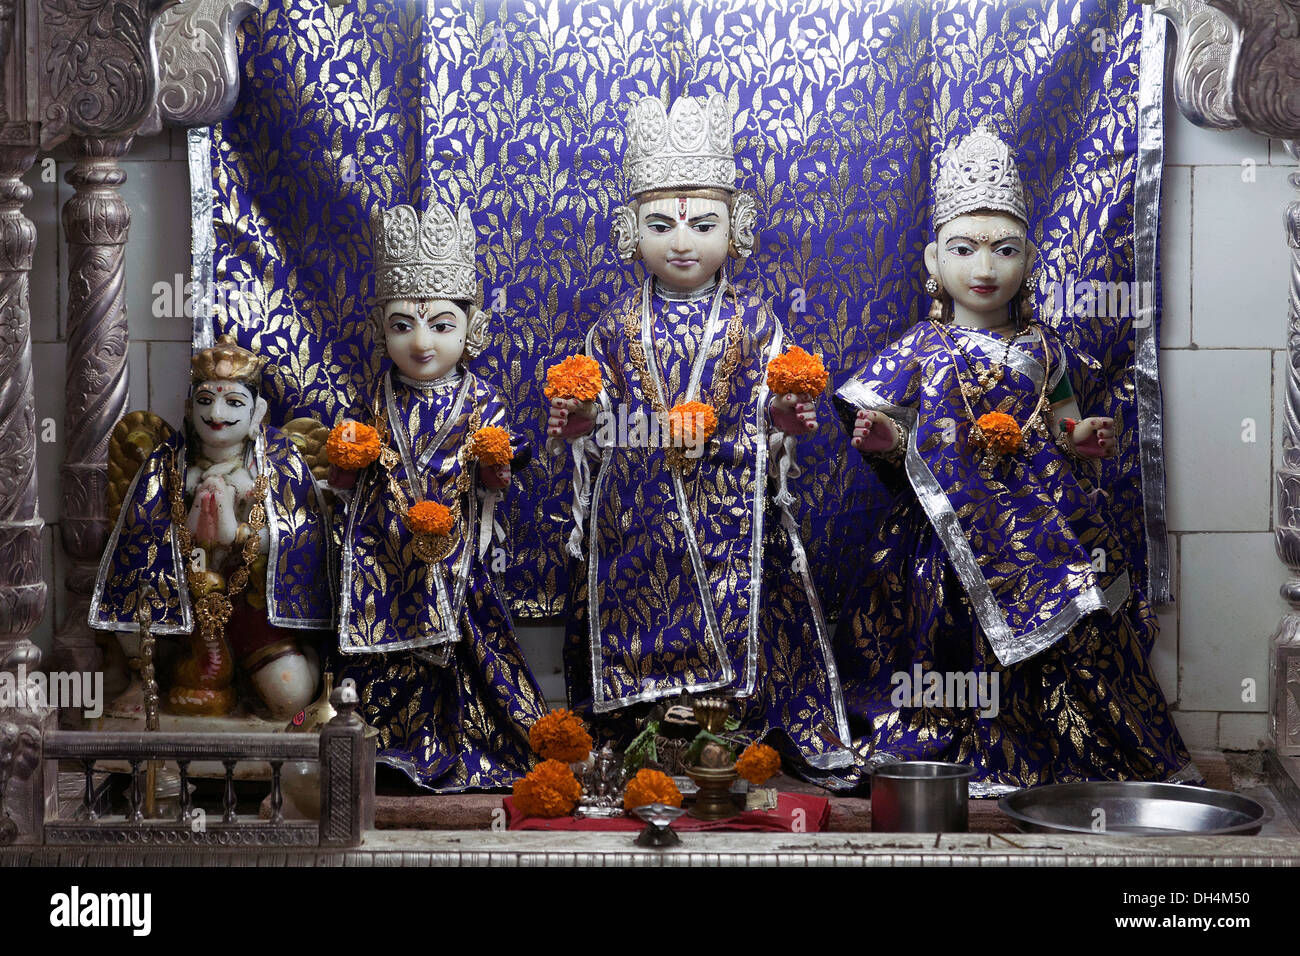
column 933, row 287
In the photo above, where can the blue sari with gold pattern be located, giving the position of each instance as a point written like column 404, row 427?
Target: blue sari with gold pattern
column 1012, row 572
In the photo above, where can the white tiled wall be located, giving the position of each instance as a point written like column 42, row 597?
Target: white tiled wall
column 1226, row 271
column 1225, row 265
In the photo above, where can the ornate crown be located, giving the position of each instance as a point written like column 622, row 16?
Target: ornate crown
column 977, row 173
column 424, row 257
column 687, row 148
column 227, row 361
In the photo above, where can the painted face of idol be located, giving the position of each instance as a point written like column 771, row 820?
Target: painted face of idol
column 224, row 413
column 684, row 239
column 981, row 259
column 424, row 338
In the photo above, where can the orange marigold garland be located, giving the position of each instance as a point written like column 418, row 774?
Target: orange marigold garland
column 691, row 422
column 429, row 517
column 651, row 786
column 577, row 377
column 796, row 371
column 758, row 764
column 549, row 790
column 352, row 445
column 560, row 736
column 1002, row 433
column 490, row 445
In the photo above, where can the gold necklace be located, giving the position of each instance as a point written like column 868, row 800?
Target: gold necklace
column 632, row 326
column 428, row 547
column 978, row 437
column 211, row 607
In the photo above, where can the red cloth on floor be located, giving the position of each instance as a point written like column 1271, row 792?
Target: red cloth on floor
column 810, row 813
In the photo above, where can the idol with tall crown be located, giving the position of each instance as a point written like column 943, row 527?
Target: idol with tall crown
column 423, row 628
column 689, row 573
column 996, row 624
column 224, row 526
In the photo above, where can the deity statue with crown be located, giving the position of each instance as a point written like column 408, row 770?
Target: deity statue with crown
column 224, row 526
column 996, row 561
column 424, row 630
column 689, row 573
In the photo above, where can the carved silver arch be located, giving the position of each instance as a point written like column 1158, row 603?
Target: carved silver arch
column 1201, row 61
column 198, row 71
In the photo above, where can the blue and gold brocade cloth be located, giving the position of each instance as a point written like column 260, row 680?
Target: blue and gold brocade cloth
column 1011, row 573
column 431, row 646
column 520, row 110
column 687, row 581
column 143, row 549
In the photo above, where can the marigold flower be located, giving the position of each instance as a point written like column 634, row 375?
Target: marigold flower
column 549, row 790
column 691, row 422
column 491, row 446
column 560, row 736
column 796, row 371
column 651, row 786
column 1001, row 432
column 758, row 764
column 577, row 377
column 429, row 517
column 352, row 445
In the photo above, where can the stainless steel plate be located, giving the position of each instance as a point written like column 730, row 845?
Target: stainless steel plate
column 1139, row 809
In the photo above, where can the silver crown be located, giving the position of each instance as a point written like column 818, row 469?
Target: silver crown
column 687, row 148
column 428, row 256
column 978, row 173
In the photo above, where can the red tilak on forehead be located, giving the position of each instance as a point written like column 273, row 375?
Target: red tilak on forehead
column 681, row 208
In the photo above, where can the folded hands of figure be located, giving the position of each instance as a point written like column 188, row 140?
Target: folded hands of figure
column 794, row 414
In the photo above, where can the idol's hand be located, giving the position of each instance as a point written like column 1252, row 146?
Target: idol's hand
column 795, row 414
column 495, row 477
column 343, row 479
column 874, row 432
column 1095, row 438
column 570, row 418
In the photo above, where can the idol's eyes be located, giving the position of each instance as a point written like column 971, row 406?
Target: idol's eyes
column 961, row 249
column 658, row 227
column 400, row 325
column 203, row 398
column 705, row 227
column 1008, row 250
column 234, row 401
column 444, row 325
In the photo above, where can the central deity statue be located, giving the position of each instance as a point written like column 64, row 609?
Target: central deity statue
column 690, row 574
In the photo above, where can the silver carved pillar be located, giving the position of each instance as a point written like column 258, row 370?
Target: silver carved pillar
column 22, row 589
column 98, row 71
column 96, row 222
column 24, row 791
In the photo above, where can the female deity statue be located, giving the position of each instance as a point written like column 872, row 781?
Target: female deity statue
column 225, row 522
column 423, row 628
column 995, row 624
column 693, row 578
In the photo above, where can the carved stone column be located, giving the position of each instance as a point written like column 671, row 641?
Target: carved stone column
column 96, row 223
